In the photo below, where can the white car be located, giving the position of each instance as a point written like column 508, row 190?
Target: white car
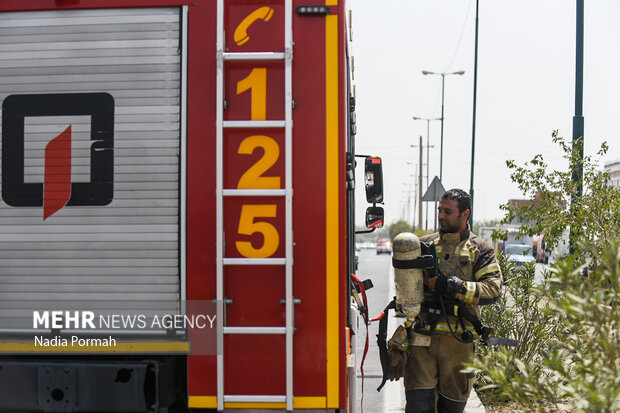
column 519, row 254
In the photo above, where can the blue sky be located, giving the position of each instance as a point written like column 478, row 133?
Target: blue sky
column 526, row 86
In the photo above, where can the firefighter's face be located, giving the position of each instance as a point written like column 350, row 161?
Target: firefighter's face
column 450, row 218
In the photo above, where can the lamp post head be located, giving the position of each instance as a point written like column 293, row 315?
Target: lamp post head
column 428, row 72
column 426, row 119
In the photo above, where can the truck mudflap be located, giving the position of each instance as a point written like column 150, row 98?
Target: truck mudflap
column 82, row 386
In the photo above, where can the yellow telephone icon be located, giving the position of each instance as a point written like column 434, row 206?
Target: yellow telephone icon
column 241, row 32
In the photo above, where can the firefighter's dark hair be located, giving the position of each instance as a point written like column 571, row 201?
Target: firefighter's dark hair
column 461, row 197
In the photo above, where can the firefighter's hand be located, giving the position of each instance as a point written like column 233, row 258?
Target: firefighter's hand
column 430, row 283
column 397, row 349
column 450, row 285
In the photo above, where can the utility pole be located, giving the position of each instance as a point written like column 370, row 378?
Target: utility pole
column 420, row 186
column 409, row 202
column 419, row 193
column 428, row 147
column 415, row 197
column 412, row 179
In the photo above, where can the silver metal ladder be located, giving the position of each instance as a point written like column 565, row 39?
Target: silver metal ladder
column 287, row 193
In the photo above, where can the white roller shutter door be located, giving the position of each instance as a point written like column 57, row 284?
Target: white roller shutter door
column 125, row 247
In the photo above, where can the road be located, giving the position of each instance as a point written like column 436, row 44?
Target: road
column 392, row 397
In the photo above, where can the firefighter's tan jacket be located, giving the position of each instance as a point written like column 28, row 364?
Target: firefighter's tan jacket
column 472, row 259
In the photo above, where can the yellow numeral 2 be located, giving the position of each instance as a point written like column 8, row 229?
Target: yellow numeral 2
column 252, row 178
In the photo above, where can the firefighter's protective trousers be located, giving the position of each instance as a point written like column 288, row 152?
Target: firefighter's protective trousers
column 439, row 366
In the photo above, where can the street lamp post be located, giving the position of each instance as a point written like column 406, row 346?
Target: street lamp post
column 443, row 78
column 578, row 120
column 473, row 124
column 428, row 128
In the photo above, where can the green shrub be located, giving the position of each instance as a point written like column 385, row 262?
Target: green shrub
column 573, row 356
column 523, row 313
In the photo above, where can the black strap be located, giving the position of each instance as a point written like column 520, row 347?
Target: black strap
column 421, row 262
column 469, row 316
column 384, row 356
column 485, row 333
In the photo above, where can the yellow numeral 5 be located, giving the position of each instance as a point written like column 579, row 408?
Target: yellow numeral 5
column 247, row 226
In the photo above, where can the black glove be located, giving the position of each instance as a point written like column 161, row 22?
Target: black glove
column 450, row 285
column 397, row 349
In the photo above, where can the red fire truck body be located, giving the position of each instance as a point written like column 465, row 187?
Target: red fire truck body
column 183, row 150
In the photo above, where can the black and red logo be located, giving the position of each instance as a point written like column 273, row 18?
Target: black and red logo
column 57, row 190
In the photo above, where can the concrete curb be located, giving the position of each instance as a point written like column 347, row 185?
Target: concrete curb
column 474, row 405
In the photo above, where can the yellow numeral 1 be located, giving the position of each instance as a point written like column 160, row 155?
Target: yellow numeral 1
column 247, row 226
column 257, row 82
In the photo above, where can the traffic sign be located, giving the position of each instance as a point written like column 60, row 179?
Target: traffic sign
column 434, row 191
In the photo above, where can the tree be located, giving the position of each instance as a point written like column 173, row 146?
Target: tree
column 568, row 324
column 593, row 216
column 402, row 226
column 398, row 227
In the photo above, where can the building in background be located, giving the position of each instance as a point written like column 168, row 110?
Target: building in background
column 613, row 168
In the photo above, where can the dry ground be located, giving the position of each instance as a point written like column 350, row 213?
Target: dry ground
column 512, row 408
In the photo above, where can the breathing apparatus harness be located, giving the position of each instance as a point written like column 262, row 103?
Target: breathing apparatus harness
column 447, row 306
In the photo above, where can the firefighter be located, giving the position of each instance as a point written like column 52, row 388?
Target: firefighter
column 435, row 355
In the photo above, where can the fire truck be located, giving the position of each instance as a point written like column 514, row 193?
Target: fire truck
column 178, row 157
